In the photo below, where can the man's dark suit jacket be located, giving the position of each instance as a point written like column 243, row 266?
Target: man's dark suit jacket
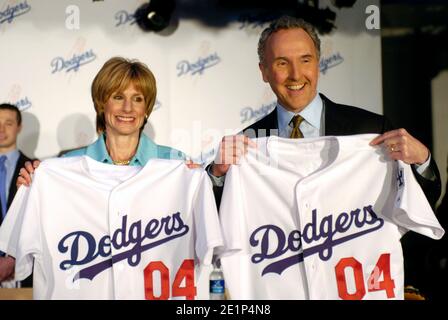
column 341, row 120
column 13, row 188
column 12, row 192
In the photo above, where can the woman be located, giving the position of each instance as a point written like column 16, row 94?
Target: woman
column 123, row 93
column 133, row 226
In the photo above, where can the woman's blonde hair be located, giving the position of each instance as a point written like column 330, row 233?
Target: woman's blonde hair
column 115, row 76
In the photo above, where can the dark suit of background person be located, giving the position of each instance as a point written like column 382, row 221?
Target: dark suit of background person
column 10, row 125
column 13, row 187
column 289, row 53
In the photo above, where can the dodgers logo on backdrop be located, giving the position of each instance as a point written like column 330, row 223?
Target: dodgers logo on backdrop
column 23, row 104
column 330, row 62
column 123, row 17
column 185, row 67
column 248, row 113
column 273, row 242
column 12, row 12
column 83, row 248
column 59, row 64
column 157, row 105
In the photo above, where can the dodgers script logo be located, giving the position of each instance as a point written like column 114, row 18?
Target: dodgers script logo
column 23, row 104
column 157, row 105
column 184, row 67
column 59, row 63
column 248, row 113
column 124, row 17
column 332, row 232
column 12, row 12
column 330, row 62
column 136, row 239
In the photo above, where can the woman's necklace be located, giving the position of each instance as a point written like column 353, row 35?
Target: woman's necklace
column 117, row 163
column 122, row 163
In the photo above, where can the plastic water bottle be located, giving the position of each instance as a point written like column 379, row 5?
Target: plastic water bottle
column 217, row 284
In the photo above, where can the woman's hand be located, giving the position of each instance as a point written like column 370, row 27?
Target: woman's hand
column 192, row 165
column 25, row 173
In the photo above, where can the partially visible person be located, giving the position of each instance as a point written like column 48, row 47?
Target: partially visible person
column 11, row 160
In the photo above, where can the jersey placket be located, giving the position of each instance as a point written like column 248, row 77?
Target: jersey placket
column 117, row 214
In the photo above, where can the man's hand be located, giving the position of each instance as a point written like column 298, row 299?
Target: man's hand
column 402, row 146
column 231, row 149
column 7, row 268
column 25, row 173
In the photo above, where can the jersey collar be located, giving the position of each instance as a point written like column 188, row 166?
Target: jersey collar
column 146, row 150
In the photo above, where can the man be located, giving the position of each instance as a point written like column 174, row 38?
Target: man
column 289, row 53
column 11, row 160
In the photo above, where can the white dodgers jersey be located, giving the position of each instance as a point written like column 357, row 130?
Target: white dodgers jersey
column 96, row 231
column 319, row 218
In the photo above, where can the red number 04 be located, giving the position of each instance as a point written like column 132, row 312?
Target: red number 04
column 382, row 267
column 186, row 271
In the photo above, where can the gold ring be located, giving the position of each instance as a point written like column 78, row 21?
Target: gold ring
column 392, row 148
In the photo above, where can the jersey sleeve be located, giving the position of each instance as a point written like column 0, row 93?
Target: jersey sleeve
column 206, row 222
column 25, row 242
column 10, row 228
column 412, row 210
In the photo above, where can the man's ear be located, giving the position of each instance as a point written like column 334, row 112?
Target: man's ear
column 263, row 72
